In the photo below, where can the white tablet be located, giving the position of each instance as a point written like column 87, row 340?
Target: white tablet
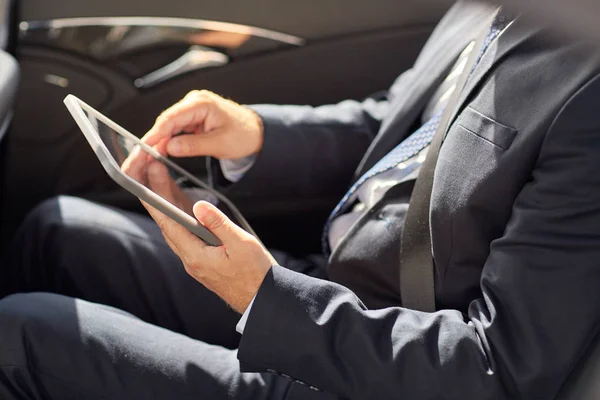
column 113, row 145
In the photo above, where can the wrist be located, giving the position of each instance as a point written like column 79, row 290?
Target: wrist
column 250, row 291
column 258, row 128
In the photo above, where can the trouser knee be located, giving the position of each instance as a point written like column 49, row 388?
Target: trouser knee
column 46, row 217
column 25, row 320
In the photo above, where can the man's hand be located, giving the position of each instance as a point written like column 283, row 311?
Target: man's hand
column 233, row 271
column 215, row 127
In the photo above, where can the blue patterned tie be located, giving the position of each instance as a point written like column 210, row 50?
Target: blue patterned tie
column 413, row 145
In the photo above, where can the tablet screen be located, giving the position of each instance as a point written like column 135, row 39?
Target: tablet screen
column 134, row 161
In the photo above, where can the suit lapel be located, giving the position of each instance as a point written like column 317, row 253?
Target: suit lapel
column 512, row 37
column 508, row 41
column 406, row 111
column 429, row 72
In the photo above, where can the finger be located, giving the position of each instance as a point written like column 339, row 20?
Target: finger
column 178, row 118
column 161, row 147
column 161, row 182
column 198, row 144
column 218, row 223
column 184, row 243
column 136, row 164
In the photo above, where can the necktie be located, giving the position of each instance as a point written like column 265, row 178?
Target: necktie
column 412, row 145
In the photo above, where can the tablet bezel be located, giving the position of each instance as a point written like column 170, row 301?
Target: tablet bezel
column 76, row 107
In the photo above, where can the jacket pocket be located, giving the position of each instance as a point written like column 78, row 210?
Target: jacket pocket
column 487, row 129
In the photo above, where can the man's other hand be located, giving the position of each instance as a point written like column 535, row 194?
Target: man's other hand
column 155, row 175
column 212, row 126
column 235, row 270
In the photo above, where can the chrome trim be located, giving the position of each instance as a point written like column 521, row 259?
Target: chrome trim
column 184, row 23
column 56, row 80
column 145, row 47
column 196, row 58
column 112, row 38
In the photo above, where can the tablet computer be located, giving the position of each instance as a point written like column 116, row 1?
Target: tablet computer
column 113, row 145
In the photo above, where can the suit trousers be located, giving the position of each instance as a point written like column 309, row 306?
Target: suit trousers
column 107, row 311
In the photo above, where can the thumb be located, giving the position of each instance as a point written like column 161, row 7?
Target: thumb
column 218, row 223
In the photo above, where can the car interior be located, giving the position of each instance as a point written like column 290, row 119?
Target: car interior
column 132, row 59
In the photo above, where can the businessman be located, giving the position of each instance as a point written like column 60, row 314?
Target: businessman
column 513, row 215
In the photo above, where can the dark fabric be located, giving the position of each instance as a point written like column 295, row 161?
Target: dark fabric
column 328, row 142
column 76, row 248
column 62, row 348
column 311, row 153
column 515, row 224
column 55, row 347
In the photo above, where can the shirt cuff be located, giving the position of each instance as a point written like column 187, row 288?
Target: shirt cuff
column 241, row 325
column 234, row 170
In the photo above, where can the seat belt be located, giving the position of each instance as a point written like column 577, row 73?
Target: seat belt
column 417, row 282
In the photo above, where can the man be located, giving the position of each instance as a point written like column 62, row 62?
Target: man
column 515, row 227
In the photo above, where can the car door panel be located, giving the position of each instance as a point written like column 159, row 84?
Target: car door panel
column 306, row 19
column 301, row 54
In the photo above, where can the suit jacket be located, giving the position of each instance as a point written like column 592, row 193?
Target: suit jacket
column 515, row 225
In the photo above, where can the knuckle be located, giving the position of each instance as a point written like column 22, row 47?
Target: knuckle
column 163, row 224
column 192, row 93
column 161, row 117
column 195, row 269
column 185, row 146
column 191, row 270
column 164, row 118
column 214, row 221
column 189, row 266
column 198, row 94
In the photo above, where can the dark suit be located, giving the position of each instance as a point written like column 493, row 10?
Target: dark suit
column 515, row 224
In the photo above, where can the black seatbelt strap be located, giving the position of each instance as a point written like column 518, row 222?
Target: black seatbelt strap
column 417, row 284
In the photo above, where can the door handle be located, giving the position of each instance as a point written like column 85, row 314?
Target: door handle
column 196, row 58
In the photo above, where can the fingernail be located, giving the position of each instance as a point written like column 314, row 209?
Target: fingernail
column 200, row 210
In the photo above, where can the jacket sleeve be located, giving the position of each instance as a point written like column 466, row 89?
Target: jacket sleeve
column 309, row 150
column 537, row 315
column 315, row 150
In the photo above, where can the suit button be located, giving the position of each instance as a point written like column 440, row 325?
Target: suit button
column 272, row 371
column 286, row 376
column 316, row 389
